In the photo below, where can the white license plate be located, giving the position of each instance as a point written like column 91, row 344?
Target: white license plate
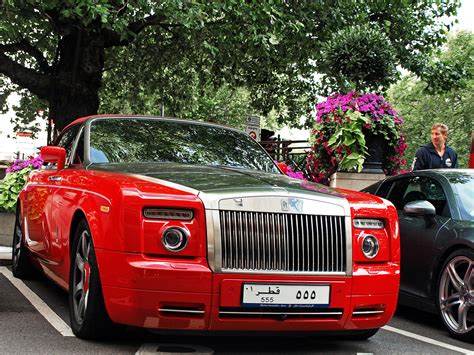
column 282, row 295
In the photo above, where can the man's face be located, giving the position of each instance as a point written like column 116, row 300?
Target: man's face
column 437, row 137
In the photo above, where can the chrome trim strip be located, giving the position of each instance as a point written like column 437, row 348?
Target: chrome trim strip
column 348, row 226
column 28, row 240
column 282, row 313
column 279, row 272
column 367, row 312
column 173, row 310
column 213, row 243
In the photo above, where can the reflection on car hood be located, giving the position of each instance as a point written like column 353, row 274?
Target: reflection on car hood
column 216, row 178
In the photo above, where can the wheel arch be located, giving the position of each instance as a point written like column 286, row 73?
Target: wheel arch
column 20, row 201
column 78, row 216
column 88, row 210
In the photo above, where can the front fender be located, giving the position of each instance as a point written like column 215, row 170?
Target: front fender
column 99, row 216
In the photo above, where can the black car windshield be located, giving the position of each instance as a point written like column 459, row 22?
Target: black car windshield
column 156, row 140
column 463, row 186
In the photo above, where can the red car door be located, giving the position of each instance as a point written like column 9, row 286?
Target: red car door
column 41, row 225
column 65, row 199
column 38, row 212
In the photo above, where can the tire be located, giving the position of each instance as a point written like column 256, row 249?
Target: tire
column 87, row 312
column 22, row 267
column 361, row 334
column 455, row 296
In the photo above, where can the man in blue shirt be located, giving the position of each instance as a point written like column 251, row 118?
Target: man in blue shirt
column 437, row 154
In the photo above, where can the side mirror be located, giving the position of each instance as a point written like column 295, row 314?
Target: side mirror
column 55, row 155
column 419, row 208
column 283, row 167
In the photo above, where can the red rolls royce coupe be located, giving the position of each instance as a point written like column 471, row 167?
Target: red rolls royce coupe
column 181, row 225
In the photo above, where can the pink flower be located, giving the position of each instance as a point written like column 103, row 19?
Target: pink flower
column 337, row 109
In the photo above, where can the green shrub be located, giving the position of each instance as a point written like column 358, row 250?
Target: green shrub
column 11, row 186
column 16, row 177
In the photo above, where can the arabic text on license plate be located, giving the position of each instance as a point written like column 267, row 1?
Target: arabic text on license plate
column 260, row 294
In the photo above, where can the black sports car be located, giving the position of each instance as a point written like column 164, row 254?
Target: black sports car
column 436, row 212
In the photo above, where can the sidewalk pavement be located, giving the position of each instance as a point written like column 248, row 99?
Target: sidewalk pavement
column 5, row 255
column 7, row 223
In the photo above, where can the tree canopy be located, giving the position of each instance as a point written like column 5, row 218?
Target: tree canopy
column 74, row 56
column 425, row 102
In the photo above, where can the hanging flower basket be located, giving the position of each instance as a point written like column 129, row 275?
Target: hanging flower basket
column 352, row 129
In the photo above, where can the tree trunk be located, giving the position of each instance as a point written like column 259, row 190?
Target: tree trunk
column 77, row 77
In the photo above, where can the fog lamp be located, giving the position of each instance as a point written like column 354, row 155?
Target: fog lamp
column 175, row 238
column 370, row 246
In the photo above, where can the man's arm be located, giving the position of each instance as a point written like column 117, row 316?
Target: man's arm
column 455, row 160
column 419, row 161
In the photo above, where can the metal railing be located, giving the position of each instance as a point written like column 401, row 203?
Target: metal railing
column 293, row 153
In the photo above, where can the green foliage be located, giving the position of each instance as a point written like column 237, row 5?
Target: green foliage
column 350, row 135
column 421, row 106
column 184, row 54
column 224, row 104
column 28, row 108
column 11, row 186
column 359, row 58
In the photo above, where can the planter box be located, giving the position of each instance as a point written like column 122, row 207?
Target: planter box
column 7, row 223
column 354, row 181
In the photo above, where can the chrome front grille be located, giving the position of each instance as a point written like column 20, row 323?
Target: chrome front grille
column 260, row 241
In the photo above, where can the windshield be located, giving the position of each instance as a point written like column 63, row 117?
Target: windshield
column 463, row 186
column 157, row 140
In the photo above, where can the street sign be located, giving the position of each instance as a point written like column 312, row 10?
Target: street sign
column 252, row 127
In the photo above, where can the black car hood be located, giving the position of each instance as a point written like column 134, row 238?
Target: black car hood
column 216, row 178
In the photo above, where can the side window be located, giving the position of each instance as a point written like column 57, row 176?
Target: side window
column 397, row 192
column 413, row 191
column 67, row 140
column 419, row 189
column 434, row 194
column 384, row 189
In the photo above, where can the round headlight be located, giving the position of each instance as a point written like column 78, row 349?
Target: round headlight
column 370, row 246
column 175, row 238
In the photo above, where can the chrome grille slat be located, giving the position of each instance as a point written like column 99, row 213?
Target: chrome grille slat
column 332, row 244
column 341, row 244
column 308, row 246
column 286, row 242
column 326, row 244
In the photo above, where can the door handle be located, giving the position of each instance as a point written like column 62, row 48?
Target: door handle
column 55, row 178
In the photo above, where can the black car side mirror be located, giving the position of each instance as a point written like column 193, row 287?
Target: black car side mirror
column 419, row 208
